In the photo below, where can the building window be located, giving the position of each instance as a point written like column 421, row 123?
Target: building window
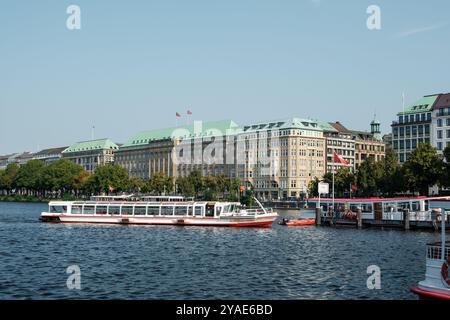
column 439, row 123
column 428, row 116
column 422, row 117
column 402, row 132
column 427, row 130
column 402, row 157
column 439, row 134
column 441, row 112
column 408, row 131
column 414, row 131
column 447, row 122
column 411, row 118
column 400, row 119
column 448, row 134
column 414, row 143
column 408, row 144
column 439, row 146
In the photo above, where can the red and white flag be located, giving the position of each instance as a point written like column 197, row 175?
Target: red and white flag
column 339, row 159
column 178, row 115
column 189, row 112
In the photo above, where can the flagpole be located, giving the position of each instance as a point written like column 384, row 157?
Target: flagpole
column 333, row 168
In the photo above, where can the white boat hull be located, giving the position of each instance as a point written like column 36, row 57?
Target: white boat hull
column 229, row 221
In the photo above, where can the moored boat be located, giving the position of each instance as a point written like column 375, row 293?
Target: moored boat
column 437, row 276
column 158, row 211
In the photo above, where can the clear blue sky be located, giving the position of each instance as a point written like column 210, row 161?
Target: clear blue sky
column 135, row 63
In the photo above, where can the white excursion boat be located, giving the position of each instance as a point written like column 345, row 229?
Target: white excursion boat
column 437, row 277
column 158, row 210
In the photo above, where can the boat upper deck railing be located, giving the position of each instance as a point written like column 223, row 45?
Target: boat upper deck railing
column 257, row 211
column 434, row 250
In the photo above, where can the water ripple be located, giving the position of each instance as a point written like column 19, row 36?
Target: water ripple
column 151, row 262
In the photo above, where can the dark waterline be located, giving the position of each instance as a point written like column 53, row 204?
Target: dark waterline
column 153, row 262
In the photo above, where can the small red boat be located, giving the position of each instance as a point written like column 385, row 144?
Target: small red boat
column 298, row 223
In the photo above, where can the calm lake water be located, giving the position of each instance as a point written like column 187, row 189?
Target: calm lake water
column 164, row 262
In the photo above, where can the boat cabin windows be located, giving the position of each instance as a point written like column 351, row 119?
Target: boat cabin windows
column 58, row 209
column 139, row 211
column 88, row 209
column 127, row 210
column 77, row 209
column 190, row 210
column 167, row 210
column 415, row 206
column 114, row 210
column 180, row 210
column 153, row 211
column 209, row 210
column 389, row 207
column 199, row 211
column 101, row 210
column 366, row 208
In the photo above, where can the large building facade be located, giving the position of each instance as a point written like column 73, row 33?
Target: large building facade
column 367, row 144
column 279, row 159
column 91, row 154
column 413, row 127
column 207, row 147
column 440, row 123
column 340, row 142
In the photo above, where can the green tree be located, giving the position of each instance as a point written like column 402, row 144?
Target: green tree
column 29, row 176
column 424, row 168
column 159, row 183
column 392, row 180
column 8, row 177
column 234, row 189
column 211, row 186
column 108, row 176
column 136, row 184
column 313, row 187
column 445, row 178
column 195, row 178
column 247, row 198
column 61, row 175
column 369, row 177
column 184, row 187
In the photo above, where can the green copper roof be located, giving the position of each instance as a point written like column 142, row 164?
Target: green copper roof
column 197, row 129
column 422, row 105
column 92, row 145
column 292, row 123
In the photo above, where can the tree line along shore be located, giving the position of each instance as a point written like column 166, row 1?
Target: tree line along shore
column 63, row 179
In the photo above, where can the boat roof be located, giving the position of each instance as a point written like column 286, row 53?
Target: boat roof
column 379, row 199
column 143, row 203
